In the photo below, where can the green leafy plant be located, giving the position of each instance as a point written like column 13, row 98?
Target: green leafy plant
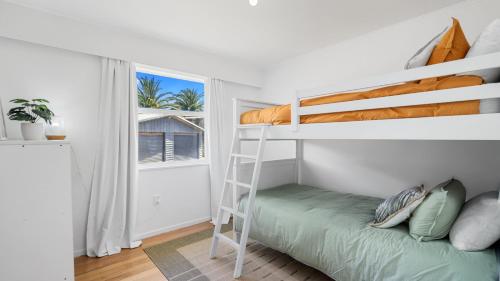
column 30, row 111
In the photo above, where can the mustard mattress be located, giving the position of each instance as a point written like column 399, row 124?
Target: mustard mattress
column 278, row 115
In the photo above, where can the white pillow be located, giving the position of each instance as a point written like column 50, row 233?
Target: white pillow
column 478, row 225
column 423, row 54
column 488, row 42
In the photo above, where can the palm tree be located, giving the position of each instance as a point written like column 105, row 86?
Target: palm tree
column 187, row 99
column 149, row 95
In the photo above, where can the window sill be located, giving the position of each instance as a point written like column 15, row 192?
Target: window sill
column 166, row 165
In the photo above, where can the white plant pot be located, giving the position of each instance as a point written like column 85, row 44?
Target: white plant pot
column 32, row 131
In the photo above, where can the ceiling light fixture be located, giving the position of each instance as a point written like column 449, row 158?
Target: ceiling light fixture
column 253, row 2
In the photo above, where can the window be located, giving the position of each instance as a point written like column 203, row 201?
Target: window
column 171, row 116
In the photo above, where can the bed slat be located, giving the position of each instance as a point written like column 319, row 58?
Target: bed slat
column 442, row 69
column 487, row 91
column 463, row 127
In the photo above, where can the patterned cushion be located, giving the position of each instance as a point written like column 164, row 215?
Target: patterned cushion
column 396, row 209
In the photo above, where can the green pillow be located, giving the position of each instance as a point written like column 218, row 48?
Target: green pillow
column 434, row 217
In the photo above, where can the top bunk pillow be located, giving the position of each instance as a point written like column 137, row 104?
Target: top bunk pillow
column 434, row 217
column 452, row 46
column 488, row 42
column 423, row 54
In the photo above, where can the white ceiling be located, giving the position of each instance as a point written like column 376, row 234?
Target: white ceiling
column 262, row 35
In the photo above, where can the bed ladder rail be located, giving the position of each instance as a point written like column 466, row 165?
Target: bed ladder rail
column 239, row 243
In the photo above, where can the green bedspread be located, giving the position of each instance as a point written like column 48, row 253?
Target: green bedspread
column 328, row 230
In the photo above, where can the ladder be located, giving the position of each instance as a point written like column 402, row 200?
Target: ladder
column 239, row 243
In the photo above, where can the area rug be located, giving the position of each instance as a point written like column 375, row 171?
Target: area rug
column 186, row 259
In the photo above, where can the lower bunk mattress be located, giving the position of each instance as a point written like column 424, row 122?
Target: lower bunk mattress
column 329, row 231
column 280, row 115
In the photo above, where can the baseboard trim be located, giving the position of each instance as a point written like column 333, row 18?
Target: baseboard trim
column 79, row 252
column 82, row 252
column 162, row 230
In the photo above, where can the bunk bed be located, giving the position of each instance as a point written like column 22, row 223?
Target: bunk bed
column 461, row 127
column 329, row 230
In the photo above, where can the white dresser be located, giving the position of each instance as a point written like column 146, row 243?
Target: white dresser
column 36, row 233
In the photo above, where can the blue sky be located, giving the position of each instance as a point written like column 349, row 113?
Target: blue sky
column 173, row 85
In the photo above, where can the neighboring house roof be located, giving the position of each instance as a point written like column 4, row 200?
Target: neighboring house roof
column 144, row 117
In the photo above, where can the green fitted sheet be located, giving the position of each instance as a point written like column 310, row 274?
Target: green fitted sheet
column 328, row 230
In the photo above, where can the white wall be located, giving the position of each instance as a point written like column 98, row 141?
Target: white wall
column 70, row 80
column 21, row 23
column 184, row 199
column 382, row 167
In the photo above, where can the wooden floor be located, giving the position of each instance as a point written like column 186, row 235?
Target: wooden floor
column 129, row 264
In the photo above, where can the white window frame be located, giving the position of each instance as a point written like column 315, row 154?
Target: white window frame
column 183, row 76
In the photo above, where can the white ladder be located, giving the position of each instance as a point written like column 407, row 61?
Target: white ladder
column 233, row 164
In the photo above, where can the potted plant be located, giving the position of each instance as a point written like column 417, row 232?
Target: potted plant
column 29, row 113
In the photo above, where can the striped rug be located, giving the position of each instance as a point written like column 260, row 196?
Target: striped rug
column 186, row 259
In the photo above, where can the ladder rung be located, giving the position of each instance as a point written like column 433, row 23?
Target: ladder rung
column 228, row 240
column 232, row 211
column 239, row 183
column 244, row 156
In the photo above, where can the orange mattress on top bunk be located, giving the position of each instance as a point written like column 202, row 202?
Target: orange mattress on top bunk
column 279, row 115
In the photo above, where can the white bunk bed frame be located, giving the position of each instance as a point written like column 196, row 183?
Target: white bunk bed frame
column 462, row 127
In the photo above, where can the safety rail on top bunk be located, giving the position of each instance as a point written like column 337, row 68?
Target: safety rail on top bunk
column 241, row 105
column 485, row 91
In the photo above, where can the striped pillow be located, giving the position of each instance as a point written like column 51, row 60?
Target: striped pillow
column 396, row 209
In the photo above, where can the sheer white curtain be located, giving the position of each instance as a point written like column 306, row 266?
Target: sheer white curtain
column 112, row 209
column 216, row 133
